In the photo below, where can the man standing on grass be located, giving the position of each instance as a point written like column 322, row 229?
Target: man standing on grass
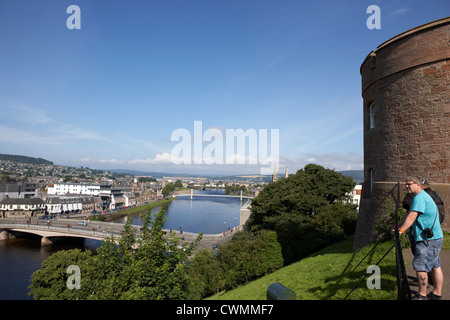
column 423, row 217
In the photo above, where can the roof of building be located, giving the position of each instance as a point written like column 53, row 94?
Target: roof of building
column 29, row 201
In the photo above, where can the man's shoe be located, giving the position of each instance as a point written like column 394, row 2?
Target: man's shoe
column 432, row 296
column 418, row 296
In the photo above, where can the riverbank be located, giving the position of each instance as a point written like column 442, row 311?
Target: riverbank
column 141, row 209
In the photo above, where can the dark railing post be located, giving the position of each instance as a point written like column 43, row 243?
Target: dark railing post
column 403, row 289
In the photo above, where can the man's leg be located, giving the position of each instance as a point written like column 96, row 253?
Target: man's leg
column 438, row 277
column 422, row 277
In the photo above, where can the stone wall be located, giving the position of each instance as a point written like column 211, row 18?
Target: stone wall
column 405, row 82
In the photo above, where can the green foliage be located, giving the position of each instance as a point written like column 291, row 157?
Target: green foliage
column 245, row 258
column 178, row 184
column 386, row 223
column 206, row 275
column 170, row 187
column 328, row 274
column 235, row 189
column 4, row 178
column 305, row 210
column 151, row 266
column 49, row 282
column 24, row 159
column 248, row 256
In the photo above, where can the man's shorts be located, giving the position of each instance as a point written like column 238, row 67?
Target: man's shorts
column 427, row 255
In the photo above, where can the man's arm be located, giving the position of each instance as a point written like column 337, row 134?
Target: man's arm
column 408, row 220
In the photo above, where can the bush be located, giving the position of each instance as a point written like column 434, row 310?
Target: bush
column 246, row 257
column 151, row 266
column 249, row 256
column 207, row 277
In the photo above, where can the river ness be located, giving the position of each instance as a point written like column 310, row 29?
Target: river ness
column 20, row 257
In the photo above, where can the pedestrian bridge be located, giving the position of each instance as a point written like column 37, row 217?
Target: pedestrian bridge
column 192, row 195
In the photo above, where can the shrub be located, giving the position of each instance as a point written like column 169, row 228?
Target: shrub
column 244, row 258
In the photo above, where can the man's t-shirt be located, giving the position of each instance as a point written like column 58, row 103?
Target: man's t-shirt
column 427, row 212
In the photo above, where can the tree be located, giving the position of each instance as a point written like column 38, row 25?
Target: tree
column 247, row 256
column 170, row 187
column 178, row 184
column 291, row 205
column 7, row 179
column 50, row 282
column 148, row 266
column 298, row 198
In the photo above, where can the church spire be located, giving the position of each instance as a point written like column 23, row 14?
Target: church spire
column 275, row 173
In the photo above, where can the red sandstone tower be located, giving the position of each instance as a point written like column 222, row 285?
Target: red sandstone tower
column 405, row 88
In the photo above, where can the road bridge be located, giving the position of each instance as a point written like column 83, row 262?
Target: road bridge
column 93, row 230
column 57, row 230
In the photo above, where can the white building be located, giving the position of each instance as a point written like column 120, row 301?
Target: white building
column 77, row 188
column 29, row 207
column 71, row 205
column 53, row 205
column 355, row 196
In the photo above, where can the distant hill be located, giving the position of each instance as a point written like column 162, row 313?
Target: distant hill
column 25, row 159
column 152, row 173
column 358, row 175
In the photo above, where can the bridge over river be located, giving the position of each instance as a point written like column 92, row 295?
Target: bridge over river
column 50, row 232
column 97, row 230
column 194, row 195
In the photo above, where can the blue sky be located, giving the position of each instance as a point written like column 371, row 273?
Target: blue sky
column 110, row 94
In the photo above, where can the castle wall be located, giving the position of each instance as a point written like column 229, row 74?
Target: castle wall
column 405, row 89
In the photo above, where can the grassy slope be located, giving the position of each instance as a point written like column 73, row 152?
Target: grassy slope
column 327, row 275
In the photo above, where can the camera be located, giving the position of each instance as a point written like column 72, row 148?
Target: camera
column 428, row 232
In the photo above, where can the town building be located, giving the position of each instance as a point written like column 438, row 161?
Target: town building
column 19, row 190
column 355, row 196
column 21, row 207
column 63, row 188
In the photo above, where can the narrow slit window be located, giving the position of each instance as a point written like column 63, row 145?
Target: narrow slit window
column 372, row 116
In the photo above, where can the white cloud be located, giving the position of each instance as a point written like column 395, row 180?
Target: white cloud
column 158, row 159
column 30, row 115
column 336, row 161
column 13, row 135
column 111, row 161
column 31, row 125
column 395, row 14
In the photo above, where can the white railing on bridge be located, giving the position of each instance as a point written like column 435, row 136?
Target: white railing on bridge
column 58, row 229
column 92, row 230
column 212, row 195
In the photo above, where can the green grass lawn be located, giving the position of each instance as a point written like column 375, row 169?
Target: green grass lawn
column 327, row 275
column 123, row 213
column 446, row 244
